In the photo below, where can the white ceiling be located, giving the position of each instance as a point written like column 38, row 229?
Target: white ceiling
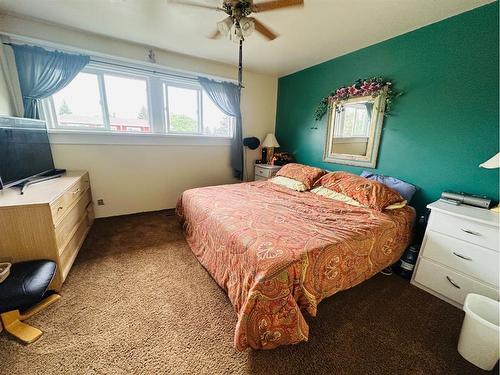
column 321, row 30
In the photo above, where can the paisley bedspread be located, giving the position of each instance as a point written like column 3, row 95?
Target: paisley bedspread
column 277, row 252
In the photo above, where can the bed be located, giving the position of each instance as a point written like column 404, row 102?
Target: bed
column 278, row 252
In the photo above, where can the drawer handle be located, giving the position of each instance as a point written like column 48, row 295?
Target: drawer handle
column 76, row 191
column 461, row 256
column 453, row 283
column 59, row 208
column 468, row 231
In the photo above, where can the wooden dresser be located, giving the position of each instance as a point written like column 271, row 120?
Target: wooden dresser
column 460, row 253
column 50, row 221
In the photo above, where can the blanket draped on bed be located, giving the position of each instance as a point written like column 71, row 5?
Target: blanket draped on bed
column 278, row 252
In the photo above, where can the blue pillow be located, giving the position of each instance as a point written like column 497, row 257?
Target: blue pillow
column 404, row 188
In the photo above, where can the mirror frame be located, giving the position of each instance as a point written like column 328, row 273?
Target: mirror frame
column 370, row 159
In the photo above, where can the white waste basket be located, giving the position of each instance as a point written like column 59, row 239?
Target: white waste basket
column 480, row 333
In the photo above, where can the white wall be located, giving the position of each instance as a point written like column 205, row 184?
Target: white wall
column 135, row 178
column 139, row 178
column 6, row 107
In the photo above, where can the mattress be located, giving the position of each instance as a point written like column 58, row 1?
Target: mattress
column 277, row 252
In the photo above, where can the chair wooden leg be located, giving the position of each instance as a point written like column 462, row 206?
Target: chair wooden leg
column 12, row 321
column 40, row 306
column 13, row 325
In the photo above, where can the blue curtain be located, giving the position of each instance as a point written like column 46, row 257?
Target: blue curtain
column 42, row 73
column 226, row 97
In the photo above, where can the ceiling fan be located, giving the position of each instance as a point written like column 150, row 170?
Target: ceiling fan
column 238, row 24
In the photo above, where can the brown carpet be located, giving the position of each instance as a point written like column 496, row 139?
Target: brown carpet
column 138, row 301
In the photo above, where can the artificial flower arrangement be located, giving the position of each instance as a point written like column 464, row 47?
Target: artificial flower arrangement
column 362, row 87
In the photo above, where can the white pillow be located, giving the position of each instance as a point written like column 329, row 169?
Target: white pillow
column 397, row 205
column 289, row 183
column 334, row 195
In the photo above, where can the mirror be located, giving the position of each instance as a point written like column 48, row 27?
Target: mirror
column 353, row 131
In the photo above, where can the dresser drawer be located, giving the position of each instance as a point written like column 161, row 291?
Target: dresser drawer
column 449, row 283
column 67, row 226
column 465, row 257
column 69, row 253
column 263, row 172
column 90, row 214
column 482, row 235
column 61, row 205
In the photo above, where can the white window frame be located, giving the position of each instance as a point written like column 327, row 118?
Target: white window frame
column 49, row 113
column 156, row 86
column 52, row 120
column 104, row 96
column 199, row 102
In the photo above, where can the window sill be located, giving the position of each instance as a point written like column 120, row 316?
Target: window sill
column 75, row 137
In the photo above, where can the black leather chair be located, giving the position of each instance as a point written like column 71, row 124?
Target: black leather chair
column 24, row 293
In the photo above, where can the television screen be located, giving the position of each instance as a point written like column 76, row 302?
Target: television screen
column 24, row 150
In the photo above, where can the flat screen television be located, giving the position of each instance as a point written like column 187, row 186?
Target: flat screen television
column 24, row 151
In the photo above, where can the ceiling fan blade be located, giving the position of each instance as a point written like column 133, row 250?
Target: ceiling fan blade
column 276, row 4
column 194, row 4
column 264, row 30
column 215, row 35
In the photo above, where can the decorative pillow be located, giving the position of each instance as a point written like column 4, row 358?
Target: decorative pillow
column 303, row 173
column 289, row 183
column 320, row 190
column 368, row 193
column 404, row 188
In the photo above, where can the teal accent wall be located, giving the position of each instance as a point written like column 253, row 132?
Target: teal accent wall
column 444, row 125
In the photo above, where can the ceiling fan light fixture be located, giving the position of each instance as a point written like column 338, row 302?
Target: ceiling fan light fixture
column 225, row 26
column 239, row 25
column 247, row 26
column 236, row 34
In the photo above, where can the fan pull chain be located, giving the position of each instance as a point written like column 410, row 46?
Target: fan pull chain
column 240, row 65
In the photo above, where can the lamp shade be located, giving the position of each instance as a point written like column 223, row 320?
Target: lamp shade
column 270, row 141
column 492, row 163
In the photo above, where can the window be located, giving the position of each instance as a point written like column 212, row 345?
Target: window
column 127, row 100
column 215, row 122
column 182, row 109
column 102, row 101
column 191, row 111
column 72, row 111
column 123, row 101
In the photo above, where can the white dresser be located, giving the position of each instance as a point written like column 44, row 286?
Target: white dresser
column 459, row 254
column 265, row 171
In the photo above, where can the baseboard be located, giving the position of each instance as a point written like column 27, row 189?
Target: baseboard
column 169, row 211
column 166, row 212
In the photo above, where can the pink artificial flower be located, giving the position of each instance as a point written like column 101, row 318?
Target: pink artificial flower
column 353, row 91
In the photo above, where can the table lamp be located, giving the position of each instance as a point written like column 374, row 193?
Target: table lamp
column 492, row 163
column 270, row 143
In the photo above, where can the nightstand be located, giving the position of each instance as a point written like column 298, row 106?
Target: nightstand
column 459, row 254
column 265, row 171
